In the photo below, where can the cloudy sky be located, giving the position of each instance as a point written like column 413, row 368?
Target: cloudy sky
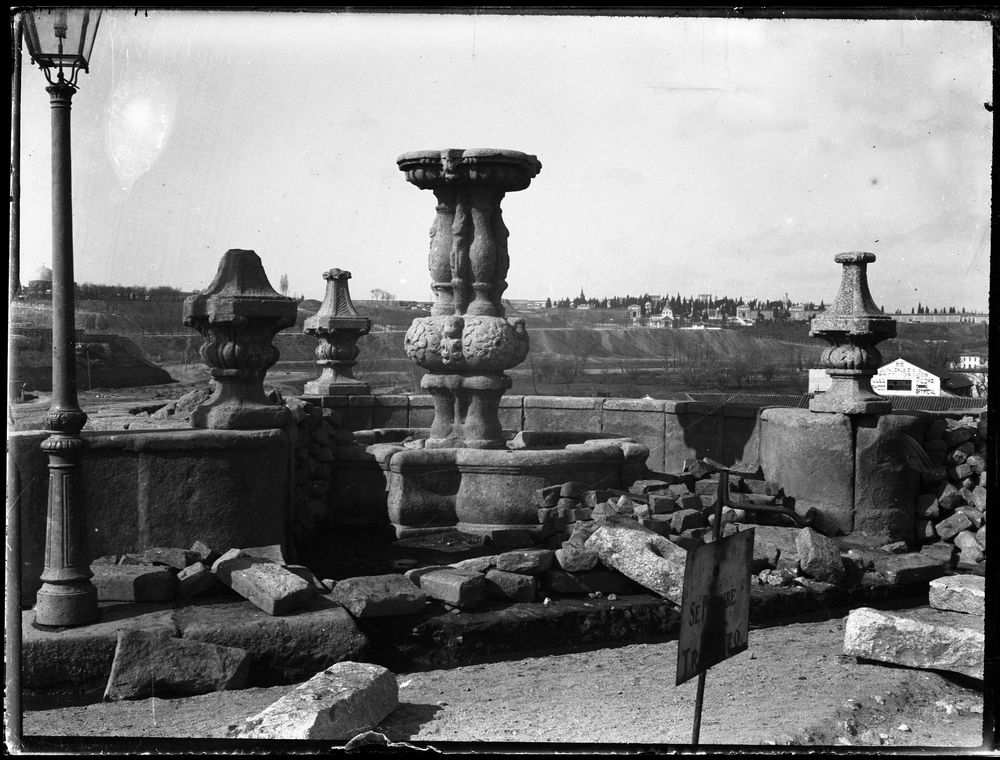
column 690, row 155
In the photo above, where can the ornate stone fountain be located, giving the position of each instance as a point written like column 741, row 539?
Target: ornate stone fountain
column 466, row 472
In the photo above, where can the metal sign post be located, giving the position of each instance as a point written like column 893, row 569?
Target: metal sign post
column 715, row 607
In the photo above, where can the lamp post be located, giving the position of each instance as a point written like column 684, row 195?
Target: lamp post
column 60, row 40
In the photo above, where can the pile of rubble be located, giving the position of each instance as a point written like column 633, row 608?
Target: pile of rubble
column 953, row 504
column 314, row 438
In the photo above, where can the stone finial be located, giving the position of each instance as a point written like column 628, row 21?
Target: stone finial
column 238, row 316
column 467, row 342
column 853, row 326
column 337, row 325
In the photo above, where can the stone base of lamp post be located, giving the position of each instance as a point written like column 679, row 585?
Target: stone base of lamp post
column 66, row 597
column 331, row 382
column 850, row 393
column 238, row 316
column 239, row 403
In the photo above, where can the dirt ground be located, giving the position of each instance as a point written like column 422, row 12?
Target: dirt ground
column 792, row 686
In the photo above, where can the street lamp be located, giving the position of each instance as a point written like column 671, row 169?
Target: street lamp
column 60, row 40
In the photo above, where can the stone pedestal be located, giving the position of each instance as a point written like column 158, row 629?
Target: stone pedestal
column 238, row 315
column 337, row 325
column 853, row 326
column 467, row 343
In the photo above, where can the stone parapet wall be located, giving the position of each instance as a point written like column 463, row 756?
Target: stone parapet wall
column 147, row 488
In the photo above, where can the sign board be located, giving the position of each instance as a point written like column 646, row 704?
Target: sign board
column 715, row 607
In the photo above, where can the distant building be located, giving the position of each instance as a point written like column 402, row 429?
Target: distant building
column 800, row 313
column 40, row 283
column 959, row 318
column 639, row 316
column 752, row 315
column 897, row 378
column 972, row 360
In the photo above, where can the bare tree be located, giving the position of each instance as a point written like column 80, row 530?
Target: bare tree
column 283, row 284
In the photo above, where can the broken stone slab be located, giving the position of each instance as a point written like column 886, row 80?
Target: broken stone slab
column 527, row 561
column 150, row 664
column 460, row 588
column 642, row 555
column 134, row 583
column 593, row 581
column 170, row 556
column 379, row 595
column 515, row 587
column 339, row 703
column 284, row 649
column 270, row 586
column 952, row 526
column 548, row 496
column 574, row 559
column 959, row 593
column 923, row 638
column 905, row 569
column 196, row 579
column 205, row 553
column 685, row 519
column 476, row 564
column 941, row 552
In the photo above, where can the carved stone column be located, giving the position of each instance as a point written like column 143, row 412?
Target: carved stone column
column 467, row 342
column 853, row 326
column 238, row 315
column 338, row 326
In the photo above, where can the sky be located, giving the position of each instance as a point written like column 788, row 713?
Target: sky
column 679, row 155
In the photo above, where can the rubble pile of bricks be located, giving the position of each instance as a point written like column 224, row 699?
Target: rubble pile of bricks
column 167, row 574
column 953, row 504
column 315, row 435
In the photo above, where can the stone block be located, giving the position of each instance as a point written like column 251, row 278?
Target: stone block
column 476, row 564
column 959, row 593
column 573, row 559
column 975, row 516
column 662, row 503
column 981, row 537
column 170, row 556
column 343, row 701
column 548, row 515
column 266, row 584
column 284, row 649
column 148, row 664
column 134, row 583
column 526, row 561
column 969, row 550
column 379, row 595
column 572, row 489
column 978, row 499
column 581, row 533
column 952, row 526
column 960, row 472
column 602, row 580
column 976, row 463
column 459, row 588
column 643, row 556
column 603, row 511
column 515, row 587
column 692, row 537
column 956, row 436
column 548, row 496
column 659, row 524
column 414, row 574
column 949, row 498
column 930, row 639
column 272, row 552
column 196, row 579
column 686, row 519
column 943, row 553
column 690, row 503
column 625, row 506
column 913, row 568
column 205, row 553
column 897, row 547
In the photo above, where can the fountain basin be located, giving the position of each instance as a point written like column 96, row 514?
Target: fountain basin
column 482, row 491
